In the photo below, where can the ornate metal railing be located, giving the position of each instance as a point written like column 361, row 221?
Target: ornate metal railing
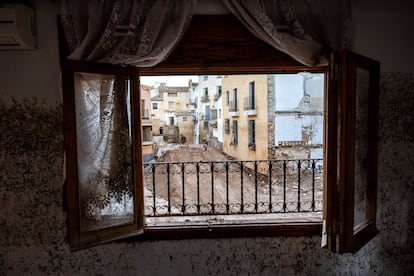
column 231, row 187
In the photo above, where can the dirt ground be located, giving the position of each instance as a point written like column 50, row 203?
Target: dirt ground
column 204, row 182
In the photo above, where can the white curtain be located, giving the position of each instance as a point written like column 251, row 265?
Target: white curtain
column 104, row 149
column 306, row 30
column 133, row 32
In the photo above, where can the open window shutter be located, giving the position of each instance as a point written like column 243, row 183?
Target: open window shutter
column 351, row 188
column 103, row 152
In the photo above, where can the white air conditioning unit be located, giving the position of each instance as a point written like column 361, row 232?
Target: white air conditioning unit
column 17, row 28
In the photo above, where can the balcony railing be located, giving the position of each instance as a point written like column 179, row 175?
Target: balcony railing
column 248, row 104
column 205, row 99
column 233, row 106
column 233, row 187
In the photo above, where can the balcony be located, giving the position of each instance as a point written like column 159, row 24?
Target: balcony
column 233, row 109
column 205, row 99
column 249, row 107
column 229, row 187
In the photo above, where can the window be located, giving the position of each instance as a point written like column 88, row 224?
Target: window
column 219, row 91
column 251, row 134
column 227, row 126
column 234, row 102
column 251, row 96
column 207, row 113
column 227, row 98
column 213, row 114
column 234, row 135
column 154, row 105
column 109, row 205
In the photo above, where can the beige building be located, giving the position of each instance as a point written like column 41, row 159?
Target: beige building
column 185, row 124
column 245, row 116
column 168, row 106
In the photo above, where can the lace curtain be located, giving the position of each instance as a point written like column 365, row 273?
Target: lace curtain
column 103, row 128
column 134, row 32
column 306, row 30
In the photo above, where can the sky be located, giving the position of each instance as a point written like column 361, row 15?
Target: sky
column 169, row 80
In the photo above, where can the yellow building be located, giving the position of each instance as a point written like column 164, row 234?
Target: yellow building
column 245, row 116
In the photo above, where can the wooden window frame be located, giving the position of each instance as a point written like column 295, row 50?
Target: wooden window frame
column 78, row 238
column 201, row 52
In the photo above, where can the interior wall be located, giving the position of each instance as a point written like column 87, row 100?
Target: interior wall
column 33, row 220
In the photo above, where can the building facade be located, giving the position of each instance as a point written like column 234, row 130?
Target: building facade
column 170, row 111
column 245, row 116
column 298, row 115
column 209, row 92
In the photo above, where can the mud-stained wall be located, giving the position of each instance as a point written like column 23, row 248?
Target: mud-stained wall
column 33, row 221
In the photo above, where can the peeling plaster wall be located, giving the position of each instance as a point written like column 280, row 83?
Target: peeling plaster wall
column 33, row 222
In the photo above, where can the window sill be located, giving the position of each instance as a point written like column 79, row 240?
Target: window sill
column 287, row 227
column 250, row 230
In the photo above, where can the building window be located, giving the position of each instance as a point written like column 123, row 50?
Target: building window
column 251, row 96
column 205, row 125
column 184, row 119
column 227, row 126
column 251, row 135
column 213, row 114
column 207, row 113
column 154, row 105
column 233, row 106
column 219, row 90
column 234, row 136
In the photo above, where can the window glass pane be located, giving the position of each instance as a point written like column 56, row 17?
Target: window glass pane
column 103, row 127
column 244, row 165
column 361, row 147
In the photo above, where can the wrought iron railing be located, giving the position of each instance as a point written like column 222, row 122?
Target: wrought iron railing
column 231, row 187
